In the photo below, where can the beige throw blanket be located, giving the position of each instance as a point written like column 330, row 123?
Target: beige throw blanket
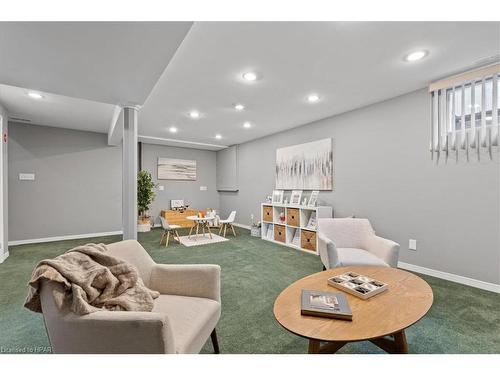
column 93, row 280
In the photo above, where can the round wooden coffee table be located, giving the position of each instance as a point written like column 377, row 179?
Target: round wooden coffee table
column 381, row 319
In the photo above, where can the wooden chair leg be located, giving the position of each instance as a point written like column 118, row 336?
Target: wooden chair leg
column 162, row 236
column 209, row 232
column 215, row 343
column 168, row 238
column 225, row 228
column 232, row 228
column 220, row 228
column 178, row 237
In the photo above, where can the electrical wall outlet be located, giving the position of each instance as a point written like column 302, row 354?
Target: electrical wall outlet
column 412, row 245
column 161, row 187
column 203, row 188
column 27, row 176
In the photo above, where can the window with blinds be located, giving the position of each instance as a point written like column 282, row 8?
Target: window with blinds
column 465, row 113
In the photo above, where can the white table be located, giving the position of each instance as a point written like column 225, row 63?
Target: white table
column 200, row 222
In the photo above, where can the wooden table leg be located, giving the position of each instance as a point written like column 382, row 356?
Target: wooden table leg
column 314, row 346
column 332, row 347
column 190, row 231
column 209, row 232
column 397, row 346
column 400, row 343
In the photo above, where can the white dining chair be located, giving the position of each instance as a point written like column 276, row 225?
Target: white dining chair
column 227, row 223
column 167, row 229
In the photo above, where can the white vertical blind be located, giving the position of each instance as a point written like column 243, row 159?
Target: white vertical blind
column 494, row 129
column 464, row 112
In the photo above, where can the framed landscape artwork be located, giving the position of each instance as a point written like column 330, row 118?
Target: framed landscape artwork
column 308, row 166
column 176, row 169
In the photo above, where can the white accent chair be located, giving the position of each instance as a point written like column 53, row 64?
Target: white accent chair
column 352, row 242
column 167, row 229
column 183, row 318
column 228, row 223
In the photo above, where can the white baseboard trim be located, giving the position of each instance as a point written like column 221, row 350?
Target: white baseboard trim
column 3, row 257
column 63, row 238
column 451, row 277
column 242, row 226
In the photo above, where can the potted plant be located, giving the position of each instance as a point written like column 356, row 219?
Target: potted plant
column 145, row 196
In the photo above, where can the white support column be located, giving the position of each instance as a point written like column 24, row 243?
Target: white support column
column 129, row 173
column 4, row 240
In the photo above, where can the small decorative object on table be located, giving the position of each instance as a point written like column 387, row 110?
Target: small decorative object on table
column 358, row 285
column 325, row 305
column 313, row 198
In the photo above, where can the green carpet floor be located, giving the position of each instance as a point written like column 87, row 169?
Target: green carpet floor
column 254, row 272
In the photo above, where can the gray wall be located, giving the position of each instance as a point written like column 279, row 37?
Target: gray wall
column 187, row 190
column 383, row 172
column 227, row 169
column 77, row 189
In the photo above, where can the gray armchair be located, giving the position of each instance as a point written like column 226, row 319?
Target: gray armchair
column 183, row 318
column 352, row 242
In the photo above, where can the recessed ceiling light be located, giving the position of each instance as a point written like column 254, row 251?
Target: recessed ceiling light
column 218, row 136
column 35, row 95
column 194, row 114
column 172, row 129
column 414, row 56
column 250, row 76
column 247, row 125
column 239, row 107
column 312, row 98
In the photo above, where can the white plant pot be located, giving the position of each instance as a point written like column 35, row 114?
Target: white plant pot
column 144, row 227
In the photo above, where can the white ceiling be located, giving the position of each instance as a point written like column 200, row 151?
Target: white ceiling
column 94, row 66
column 110, row 62
column 350, row 64
column 56, row 110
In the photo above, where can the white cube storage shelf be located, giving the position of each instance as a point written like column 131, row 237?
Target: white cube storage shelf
column 296, row 230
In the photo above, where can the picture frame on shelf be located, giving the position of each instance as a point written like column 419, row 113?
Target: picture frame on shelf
column 313, row 199
column 278, row 196
column 295, row 198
